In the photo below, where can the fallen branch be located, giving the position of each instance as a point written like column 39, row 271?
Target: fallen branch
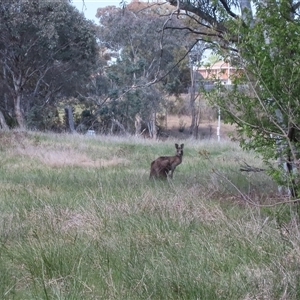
column 248, row 168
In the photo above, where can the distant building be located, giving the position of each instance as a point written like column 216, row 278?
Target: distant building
column 220, row 70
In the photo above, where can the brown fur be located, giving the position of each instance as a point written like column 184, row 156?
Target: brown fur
column 164, row 166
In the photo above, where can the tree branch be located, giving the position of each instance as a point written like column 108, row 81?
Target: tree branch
column 187, row 6
column 248, row 168
column 230, row 12
column 296, row 6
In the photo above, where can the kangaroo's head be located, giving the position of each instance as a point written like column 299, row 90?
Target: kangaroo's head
column 179, row 150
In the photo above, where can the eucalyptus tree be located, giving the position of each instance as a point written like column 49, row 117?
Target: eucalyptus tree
column 144, row 54
column 260, row 37
column 47, row 49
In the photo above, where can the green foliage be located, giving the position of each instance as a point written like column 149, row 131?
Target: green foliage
column 265, row 97
column 43, row 119
column 212, row 59
column 141, row 56
column 48, row 50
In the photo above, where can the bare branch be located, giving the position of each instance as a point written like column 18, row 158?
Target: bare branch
column 230, row 12
column 187, row 6
column 248, row 168
column 296, row 6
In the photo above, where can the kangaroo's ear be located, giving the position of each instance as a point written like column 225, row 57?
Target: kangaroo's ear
column 176, row 146
column 182, row 146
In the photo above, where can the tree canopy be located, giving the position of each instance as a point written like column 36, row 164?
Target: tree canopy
column 46, row 49
column 140, row 53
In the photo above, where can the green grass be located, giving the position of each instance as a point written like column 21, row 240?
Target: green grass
column 80, row 219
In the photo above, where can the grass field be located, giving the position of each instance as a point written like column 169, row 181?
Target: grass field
column 80, row 219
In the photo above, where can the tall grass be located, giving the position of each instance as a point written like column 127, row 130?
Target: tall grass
column 80, row 219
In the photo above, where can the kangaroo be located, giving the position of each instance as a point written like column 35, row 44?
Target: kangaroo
column 164, row 166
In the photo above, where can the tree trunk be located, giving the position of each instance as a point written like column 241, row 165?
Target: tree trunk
column 69, row 119
column 138, row 125
column 192, row 101
column 193, row 111
column 18, row 84
column 3, row 122
column 120, row 125
column 246, row 9
column 18, row 111
column 152, row 126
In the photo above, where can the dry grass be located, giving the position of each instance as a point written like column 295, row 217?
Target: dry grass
column 67, row 157
column 207, row 128
column 81, row 220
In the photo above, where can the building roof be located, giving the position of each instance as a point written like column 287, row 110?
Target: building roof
column 216, row 66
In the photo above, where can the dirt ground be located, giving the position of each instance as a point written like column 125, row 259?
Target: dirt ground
column 178, row 126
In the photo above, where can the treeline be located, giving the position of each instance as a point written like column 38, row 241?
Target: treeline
column 113, row 77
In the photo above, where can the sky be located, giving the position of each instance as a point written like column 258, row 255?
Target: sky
column 89, row 7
